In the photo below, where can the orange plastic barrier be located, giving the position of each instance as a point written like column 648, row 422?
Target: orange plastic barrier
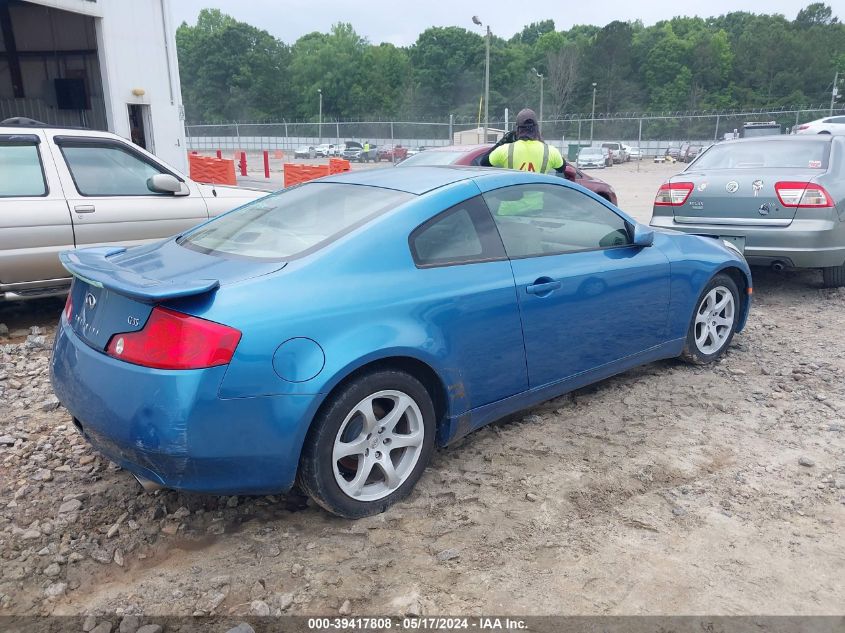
column 339, row 165
column 295, row 174
column 218, row 171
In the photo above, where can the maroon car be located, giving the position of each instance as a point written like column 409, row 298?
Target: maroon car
column 392, row 154
column 472, row 154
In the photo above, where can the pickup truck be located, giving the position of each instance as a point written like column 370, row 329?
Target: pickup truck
column 65, row 188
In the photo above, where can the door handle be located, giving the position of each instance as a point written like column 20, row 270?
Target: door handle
column 542, row 287
column 84, row 208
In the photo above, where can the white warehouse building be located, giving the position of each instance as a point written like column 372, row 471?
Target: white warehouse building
column 100, row 64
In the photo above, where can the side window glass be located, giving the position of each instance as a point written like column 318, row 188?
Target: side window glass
column 463, row 234
column 21, row 174
column 108, row 170
column 536, row 220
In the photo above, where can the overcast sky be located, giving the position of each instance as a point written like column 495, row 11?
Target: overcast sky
column 400, row 21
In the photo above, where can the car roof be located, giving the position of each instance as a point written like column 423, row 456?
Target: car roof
column 789, row 138
column 458, row 148
column 415, row 180
column 65, row 131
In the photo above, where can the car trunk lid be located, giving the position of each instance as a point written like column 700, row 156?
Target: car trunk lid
column 736, row 197
column 116, row 289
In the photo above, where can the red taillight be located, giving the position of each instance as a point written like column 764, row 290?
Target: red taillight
column 803, row 195
column 803, row 126
column 673, row 194
column 173, row 340
column 68, row 306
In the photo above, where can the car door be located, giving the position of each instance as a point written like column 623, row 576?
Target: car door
column 587, row 296
column 34, row 220
column 466, row 280
column 105, row 182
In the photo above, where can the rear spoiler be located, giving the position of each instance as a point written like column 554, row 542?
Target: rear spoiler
column 91, row 265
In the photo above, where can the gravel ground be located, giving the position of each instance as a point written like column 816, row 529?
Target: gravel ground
column 669, row 489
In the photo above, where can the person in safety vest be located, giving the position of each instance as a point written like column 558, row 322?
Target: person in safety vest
column 524, row 149
column 366, row 153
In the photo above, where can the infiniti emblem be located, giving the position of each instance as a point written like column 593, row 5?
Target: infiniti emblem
column 90, row 300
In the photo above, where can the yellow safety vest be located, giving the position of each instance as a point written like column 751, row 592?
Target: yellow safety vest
column 526, row 155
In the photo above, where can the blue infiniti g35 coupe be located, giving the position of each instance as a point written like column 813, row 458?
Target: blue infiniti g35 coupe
column 333, row 333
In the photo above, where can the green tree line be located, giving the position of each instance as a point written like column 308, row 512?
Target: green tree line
column 233, row 71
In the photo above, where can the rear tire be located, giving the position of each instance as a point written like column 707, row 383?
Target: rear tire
column 713, row 322
column 369, row 444
column 833, row 277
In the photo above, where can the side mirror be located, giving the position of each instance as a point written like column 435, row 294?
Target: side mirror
column 643, row 236
column 569, row 172
column 164, row 183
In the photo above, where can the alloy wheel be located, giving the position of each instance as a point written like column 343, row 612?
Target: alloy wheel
column 377, row 445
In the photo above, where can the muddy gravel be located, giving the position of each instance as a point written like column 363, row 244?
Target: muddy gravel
column 669, row 489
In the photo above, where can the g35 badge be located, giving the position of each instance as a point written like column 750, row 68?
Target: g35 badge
column 732, row 186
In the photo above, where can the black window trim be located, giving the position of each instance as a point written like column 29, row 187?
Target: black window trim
column 20, row 140
column 82, row 141
column 629, row 228
column 481, row 218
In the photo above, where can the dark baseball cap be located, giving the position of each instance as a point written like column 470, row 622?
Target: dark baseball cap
column 525, row 116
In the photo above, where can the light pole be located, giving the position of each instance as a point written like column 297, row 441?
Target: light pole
column 476, row 21
column 540, row 122
column 320, row 120
column 593, row 115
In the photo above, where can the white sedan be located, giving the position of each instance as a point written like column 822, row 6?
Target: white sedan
column 828, row 125
column 634, row 153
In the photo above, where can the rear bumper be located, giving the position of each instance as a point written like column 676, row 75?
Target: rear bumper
column 172, row 428
column 805, row 243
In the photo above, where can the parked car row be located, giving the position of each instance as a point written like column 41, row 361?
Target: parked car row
column 354, row 151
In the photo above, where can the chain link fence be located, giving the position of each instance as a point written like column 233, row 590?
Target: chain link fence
column 652, row 133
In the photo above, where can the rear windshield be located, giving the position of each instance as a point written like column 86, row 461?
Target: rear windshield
column 293, row 222
column 756, row 154
column 431, row 158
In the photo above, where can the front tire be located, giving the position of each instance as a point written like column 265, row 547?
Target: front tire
column 714, row 321
column 369, row 444
column 833, row 277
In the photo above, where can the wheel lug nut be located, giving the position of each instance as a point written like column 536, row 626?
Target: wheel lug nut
column 387, row 440
column 381, row 430
column 378, row 454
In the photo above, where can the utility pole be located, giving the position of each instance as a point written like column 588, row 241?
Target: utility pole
column 478, row 22
column 834, row 91
column 320, row 120
column 540, row 122
column 593, row 115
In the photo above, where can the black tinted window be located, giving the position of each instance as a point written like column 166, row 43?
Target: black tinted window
column 547, row 219
column 465, row 233
column 20, row 171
